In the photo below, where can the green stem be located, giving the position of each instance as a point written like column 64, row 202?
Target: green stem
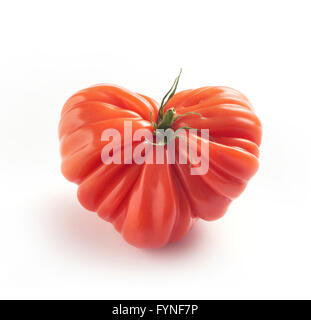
column 168, row 120
column 167, row 97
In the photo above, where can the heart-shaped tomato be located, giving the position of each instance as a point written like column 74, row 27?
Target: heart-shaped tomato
column 153, row 204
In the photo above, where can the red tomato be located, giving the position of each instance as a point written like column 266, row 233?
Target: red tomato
column 154, row 204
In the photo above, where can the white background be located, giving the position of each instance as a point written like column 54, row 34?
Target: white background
column 50, row 247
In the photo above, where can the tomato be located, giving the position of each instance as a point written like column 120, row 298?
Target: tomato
column 154, row 204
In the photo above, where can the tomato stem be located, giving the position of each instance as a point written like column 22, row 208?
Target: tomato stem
column 168, row 119
column 167, row 97
column 165, row 121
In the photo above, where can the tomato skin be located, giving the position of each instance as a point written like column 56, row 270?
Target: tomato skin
column 154, row 204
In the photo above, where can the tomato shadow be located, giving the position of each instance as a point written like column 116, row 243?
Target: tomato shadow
column 79, row 234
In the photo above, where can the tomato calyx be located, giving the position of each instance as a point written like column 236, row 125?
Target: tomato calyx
column 168, row 119
column 166, row 98
column 165, row 121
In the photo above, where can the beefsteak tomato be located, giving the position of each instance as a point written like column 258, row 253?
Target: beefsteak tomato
column 154, row 204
